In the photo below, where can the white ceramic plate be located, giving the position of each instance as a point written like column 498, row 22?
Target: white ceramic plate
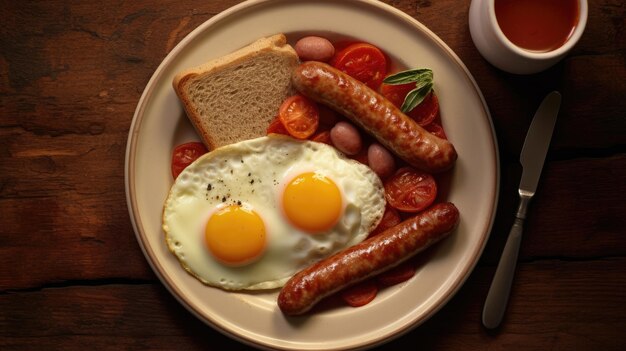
column 160, row 124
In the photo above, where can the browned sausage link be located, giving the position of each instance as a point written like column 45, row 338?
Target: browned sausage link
column 367, row 258
column 375, row 114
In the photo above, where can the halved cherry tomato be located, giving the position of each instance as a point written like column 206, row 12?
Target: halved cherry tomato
column 410, row 190
column 360, row 294
column 398, row 274
column 362, row 61
column 185, row 154
column 396, row 93
column 436, row 129
column 277, row 127
column 322, row 137
column 424, row 113
column 391, row 218
column 300, row 116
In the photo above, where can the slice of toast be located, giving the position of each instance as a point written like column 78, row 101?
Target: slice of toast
column 235, row 97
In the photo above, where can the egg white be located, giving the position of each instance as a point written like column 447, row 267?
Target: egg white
column 253, row 173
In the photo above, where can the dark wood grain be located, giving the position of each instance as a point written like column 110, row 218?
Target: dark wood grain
column 554, row 305
column 72, row 275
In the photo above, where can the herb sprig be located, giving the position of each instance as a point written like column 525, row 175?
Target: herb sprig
column 423, row 79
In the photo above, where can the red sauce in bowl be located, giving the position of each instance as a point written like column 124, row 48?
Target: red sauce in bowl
column 537, row 25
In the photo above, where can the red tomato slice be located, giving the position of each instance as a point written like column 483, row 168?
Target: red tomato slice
column 360, row 294
column 436, row 129
column 277, row 127
column 362, row 61
column 398, row 274
column 391, row 218
column 396, row 93
column 424, row 113
column 323, row 137
column 184, row 155
column 410, row 190
column 300, row 116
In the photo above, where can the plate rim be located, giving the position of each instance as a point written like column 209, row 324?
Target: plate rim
column 130, row 160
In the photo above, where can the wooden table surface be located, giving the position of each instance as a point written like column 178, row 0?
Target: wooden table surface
column 72, row 275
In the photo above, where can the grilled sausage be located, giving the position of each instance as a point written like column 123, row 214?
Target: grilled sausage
column 375, row 114
column 367, row 258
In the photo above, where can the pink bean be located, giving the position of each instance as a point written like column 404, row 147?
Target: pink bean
column 381, row 161
column 346, row 138
column 314, row 48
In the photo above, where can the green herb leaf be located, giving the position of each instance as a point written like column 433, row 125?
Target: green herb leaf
column 416, row 96
column 409, row 76
column 423, row 79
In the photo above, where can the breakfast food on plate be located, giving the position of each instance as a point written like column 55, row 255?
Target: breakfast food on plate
column 375, row 114
column 234, row 97
column 367, row 258
column 362, row 61
column 251, row 214
column 345, row 137
column 340, row 202
column 184, row 154
column 314, row 48
column 380, row 160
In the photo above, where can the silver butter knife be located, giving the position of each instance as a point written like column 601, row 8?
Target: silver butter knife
column 532, row 158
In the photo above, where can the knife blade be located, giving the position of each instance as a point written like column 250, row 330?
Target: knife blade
column 532, row 159
column 537, row 142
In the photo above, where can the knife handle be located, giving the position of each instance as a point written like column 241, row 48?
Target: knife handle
column 498, row 295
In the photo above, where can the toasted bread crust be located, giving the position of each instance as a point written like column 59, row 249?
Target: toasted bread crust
column 234, row 97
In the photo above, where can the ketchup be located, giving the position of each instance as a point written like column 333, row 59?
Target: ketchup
column 537, row 25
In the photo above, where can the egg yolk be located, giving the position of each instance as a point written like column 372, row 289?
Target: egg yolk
column 312, row 202
column 235, row 235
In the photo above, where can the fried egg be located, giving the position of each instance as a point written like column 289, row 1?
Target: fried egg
column 251, row 214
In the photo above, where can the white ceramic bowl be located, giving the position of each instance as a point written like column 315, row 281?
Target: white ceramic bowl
column 502, row 53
